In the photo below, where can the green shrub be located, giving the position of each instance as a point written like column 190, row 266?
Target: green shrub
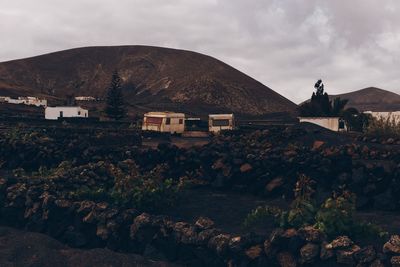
column 148, row 191
column 334, row 217
column 302, row 209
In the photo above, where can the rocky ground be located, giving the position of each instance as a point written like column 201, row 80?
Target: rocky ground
column 174, row 201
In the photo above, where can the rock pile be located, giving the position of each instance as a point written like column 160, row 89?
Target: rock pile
column 268, row 163
column 32, row 149
column 98, row 224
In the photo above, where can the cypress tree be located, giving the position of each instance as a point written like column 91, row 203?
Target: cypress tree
column 115, row 108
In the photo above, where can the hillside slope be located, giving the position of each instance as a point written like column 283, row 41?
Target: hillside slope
column 153, row 77
column 373, row 99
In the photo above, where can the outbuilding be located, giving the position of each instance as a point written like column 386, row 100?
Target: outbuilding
column 220, row 122
column 166, row 122
column 335, row 124
column 55, row 113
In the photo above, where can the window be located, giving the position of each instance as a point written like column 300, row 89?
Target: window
column 61, row 114
column 168, row 121
column 153, row 120
column 220, row 122
column 79, row 112
column 180, row 121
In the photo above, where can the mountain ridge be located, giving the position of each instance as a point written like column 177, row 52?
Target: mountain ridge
column 153, row 77
column 371, row 99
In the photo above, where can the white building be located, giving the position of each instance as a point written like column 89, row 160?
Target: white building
column 167, row 122
column 219, row 122
column 85, row 98
column 332, row 123
column 385, row 115
column 54, row 113
column 4, row 99
column 25, row 100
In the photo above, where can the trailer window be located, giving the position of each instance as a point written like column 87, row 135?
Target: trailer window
column 153, row 120
column 168, row 121
column 220, row 122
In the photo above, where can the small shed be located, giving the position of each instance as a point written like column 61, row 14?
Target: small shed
column 335, row 124
column 219, row 122
column 55, row 113
column 166, row 122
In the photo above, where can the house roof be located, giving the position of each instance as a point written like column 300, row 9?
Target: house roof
column 164, row 114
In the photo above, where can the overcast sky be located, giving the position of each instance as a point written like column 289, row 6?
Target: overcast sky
column 285, row 44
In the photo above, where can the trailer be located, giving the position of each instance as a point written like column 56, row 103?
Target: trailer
column 220, row 122
column 165, row 122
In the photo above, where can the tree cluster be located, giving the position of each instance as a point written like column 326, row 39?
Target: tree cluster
column 320, row 105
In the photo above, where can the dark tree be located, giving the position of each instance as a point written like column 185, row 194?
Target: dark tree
column 356, row 121
column 320, row 105
column 115, row 108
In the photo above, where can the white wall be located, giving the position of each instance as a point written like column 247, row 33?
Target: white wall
column 53, row 113
column 331, row 123
column 394, row 115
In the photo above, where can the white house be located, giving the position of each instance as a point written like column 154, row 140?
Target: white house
column 85, row 98
column 5, row 99
column 54, row 113
column 167, row 122
column 385, row 115
column 26, row 100
column 332, row 123
column 34, row 101
column 218, row 122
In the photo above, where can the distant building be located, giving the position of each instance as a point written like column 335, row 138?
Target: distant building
column 385, row 115
column 4, row 99
column 54, row 113
column 219, row 122
column 85, row 98
column 335, row 124
column 25, row 100
column 168, row 122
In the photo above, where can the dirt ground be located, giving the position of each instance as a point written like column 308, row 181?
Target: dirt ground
column 22, row 249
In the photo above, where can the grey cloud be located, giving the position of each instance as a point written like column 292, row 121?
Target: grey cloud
column 285, row 44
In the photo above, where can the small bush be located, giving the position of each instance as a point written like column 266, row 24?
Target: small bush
column 384, row 127
column 334, row 217
column 149, row 191
column 129, row 188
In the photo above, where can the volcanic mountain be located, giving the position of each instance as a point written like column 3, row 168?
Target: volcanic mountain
column 153, row 78
column 373, row 99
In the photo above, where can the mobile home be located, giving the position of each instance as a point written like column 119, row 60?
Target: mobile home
column 54, row 113
column 219, row 122
column 166, row 122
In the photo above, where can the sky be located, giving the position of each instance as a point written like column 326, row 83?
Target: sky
column 285, row 44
